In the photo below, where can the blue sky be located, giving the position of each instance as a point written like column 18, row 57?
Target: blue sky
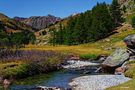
column 60, row 8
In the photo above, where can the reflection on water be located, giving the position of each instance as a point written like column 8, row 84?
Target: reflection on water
column 57, row 79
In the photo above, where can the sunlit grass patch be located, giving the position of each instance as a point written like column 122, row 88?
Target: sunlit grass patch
column 88, row 56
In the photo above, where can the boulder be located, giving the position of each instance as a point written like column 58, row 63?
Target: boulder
column 47, row 88
column 120, row 70
column 117, row 58
column 130, row 41
column 6, row 84
column 101, row 58
column 75, row 57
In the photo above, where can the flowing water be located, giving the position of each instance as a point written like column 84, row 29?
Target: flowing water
column 55, row 79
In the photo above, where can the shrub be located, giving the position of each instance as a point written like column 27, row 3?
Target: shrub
column 21, row 63
column 88, row 56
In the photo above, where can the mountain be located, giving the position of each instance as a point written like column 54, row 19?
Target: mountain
column 12, row 25
column 19, row 18
column 39, row 22
column 2, row 16
column 43, row 35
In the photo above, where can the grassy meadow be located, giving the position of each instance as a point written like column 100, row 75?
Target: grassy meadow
column 22, row 63
column 104, row 46
column 42, row 57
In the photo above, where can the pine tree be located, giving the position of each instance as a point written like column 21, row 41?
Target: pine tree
column 86, row 27
column 60, row 35
column 53, row 36
column 102, row 23
column 124, row 8
column 133, row 22
column 116, row 12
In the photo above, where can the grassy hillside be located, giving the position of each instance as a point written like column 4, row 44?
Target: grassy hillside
column 42, row 38
column 104, row 46
column 12, row 25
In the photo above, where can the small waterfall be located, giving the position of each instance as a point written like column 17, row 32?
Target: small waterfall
column 98, row 69
column 124, row 64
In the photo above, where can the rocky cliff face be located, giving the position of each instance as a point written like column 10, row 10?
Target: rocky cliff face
column 129, row 4
column 39, row 22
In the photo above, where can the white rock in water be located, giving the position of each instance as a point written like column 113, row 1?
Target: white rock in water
column 97, row 82
column 77, row 64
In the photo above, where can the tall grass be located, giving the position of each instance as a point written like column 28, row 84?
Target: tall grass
column 22, row 63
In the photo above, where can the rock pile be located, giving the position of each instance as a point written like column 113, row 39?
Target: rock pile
column 120, row 56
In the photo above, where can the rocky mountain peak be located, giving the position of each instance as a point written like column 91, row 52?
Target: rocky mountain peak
column 39, row 22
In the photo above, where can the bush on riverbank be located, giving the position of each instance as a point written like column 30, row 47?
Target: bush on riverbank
column 22, row 63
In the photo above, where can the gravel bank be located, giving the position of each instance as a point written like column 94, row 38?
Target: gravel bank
column 97, row 82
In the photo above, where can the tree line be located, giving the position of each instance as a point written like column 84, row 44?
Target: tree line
column 17, row 39
column 90, row 26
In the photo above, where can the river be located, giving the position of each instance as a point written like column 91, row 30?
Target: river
column 55, row 79
column 77, row 73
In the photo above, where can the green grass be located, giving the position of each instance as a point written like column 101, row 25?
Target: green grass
column 33, row 80
column 88, row 56
column 12, row 69
column 96, row 48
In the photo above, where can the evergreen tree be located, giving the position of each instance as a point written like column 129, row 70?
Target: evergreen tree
column 124, row 8
column 69, row 38
column 133, row 22
column 116, row 12
column 86, row 27
column 102, row 23
column 60, row 34
column 53, row 36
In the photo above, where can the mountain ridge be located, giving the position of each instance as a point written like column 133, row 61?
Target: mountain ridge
column 39, row 22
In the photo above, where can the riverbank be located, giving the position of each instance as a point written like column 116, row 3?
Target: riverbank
column 97, row 82
column 18, row 64
column 130, row 85
column 59, row 78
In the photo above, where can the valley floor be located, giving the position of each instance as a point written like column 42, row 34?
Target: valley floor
column 91, row 50
column 104, row 46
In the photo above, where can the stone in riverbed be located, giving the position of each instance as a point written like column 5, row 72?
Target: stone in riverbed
column 6, row 83
column 75, row 57
column 120, row 70
column 47, row 88
column 79, row 64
